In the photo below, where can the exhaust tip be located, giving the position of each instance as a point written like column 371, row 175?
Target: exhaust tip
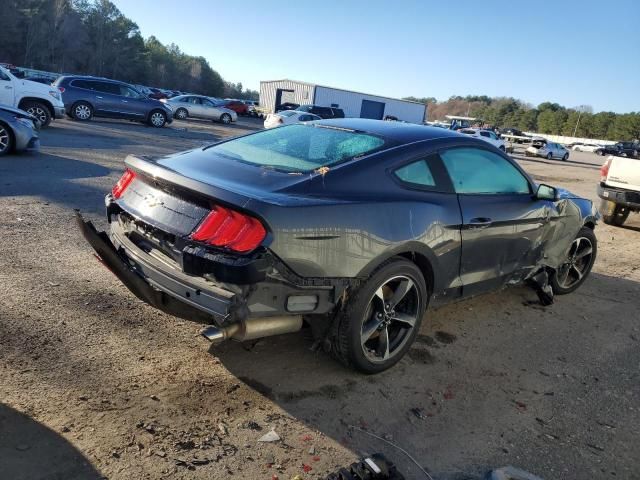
column 213, row 334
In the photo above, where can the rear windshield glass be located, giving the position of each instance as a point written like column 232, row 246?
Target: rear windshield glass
column 286, row 113
column 299, row 148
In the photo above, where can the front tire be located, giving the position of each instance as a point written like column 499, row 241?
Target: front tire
column 6, row 140
column 549, row 156
column 157, row 119
column 381, row 319
column 181, row 114
column 578, row 263
column 38, row 110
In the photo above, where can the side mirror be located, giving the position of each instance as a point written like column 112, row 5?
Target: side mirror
column 546, row 192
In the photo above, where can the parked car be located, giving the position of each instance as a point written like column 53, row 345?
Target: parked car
column 198, row 106
column 86, row 97
column 286, row 106
column 156, row 94
column 548, row 150
column 236, row 105
column 41, row 101
column 586, row 147
column 18, row 131
column 620, row 149
column 488, row 136
column 514, row 132
column 619, row 189
column 353, row 225
column 322, row 112
column 288, row 117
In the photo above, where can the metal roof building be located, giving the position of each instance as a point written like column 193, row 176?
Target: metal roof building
column 274, row 93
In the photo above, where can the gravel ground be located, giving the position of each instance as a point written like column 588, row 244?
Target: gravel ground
column 96, row 384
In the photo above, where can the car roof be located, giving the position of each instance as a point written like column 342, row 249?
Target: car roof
column 398, row 131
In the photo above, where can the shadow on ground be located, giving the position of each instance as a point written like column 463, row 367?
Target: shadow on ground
column 491, row 381
column 31, row 451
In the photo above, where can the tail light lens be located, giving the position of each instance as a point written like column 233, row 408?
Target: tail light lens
column 61, row 89
column 604, row 170
column 126, row 179
column 230, row 229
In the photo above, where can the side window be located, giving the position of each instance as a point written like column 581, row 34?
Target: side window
column 128, row 92
column 477, row 171
column 185, row 99
column 106, row 87
column 416, row 173
column 194, row 100
column 485, row 134
column 207, row 103
column 80, row 84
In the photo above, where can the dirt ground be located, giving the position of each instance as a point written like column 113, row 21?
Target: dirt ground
column 95, row 384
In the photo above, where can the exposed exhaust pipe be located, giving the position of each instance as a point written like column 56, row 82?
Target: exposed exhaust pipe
column 253, row 328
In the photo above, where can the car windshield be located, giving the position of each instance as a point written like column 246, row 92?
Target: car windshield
column 299, row 148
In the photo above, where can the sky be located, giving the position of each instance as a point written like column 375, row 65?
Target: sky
column 573, row 52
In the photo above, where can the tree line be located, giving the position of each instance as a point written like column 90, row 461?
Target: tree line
column 549, row 118
column 92, row 37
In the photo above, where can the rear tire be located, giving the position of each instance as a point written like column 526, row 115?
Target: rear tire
column 578, row 264
column 6, row 139
column 566, row 157
column 373, row 332
column 82, row 111
column 225, row 118
column 615, row 215
column 38, row 110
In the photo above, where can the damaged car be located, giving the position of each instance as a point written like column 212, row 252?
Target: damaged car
column 352, row 226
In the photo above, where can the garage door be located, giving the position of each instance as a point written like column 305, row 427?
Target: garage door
column 372, row 109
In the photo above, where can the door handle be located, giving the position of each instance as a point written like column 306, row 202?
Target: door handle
column 479, row 222
column 8, row 87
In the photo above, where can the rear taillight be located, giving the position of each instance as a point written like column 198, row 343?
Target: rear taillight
column 61, row 89
column 604, row 170
column 126, row 179
column 230, row 229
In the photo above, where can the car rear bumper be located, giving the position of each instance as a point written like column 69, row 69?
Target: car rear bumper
column 58, row 112
column 194, row 297
column 627, row 198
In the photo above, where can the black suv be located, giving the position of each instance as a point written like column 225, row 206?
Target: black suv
column 622, row 149
column 322, row 112
column 85, row 97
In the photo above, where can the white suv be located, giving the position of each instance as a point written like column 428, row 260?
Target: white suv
column 486, row 135
column 42, row 101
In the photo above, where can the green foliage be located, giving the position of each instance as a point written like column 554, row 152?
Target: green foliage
column 93, row 37
column 548, row 117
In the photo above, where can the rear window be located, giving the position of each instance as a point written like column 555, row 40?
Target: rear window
column 287, row 113
column 299, row 148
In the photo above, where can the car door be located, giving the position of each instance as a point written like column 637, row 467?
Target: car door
column 503, row 224
column 108, row 99
column 195, row 107
column 209, row 109
column 6, row 89
column 132, row 105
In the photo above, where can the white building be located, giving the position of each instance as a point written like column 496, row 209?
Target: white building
column 274, row 93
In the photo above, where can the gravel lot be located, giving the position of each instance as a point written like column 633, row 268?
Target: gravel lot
column 96, row 384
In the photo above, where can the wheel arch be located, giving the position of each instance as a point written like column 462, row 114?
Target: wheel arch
column 43, row 101
column 417, row 253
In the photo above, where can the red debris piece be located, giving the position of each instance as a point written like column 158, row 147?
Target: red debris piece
column 307, row 438
column 306, row 468
column 315, row 458
column 520, row 406
column 274, row 477
column 448, row 393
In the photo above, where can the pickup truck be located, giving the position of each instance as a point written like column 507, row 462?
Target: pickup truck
column 620, row 149
column 619, row 189
column 42, row 101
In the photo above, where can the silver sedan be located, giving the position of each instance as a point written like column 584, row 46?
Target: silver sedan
column 199, row 106
column 18, row 130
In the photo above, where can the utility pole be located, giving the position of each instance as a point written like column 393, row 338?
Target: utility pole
column 580, row 109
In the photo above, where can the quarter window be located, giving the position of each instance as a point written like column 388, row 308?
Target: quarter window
column 473, row 170
column 417, row 173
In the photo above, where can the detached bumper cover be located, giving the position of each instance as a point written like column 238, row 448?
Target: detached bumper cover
column 173, row 293
column 628, row 198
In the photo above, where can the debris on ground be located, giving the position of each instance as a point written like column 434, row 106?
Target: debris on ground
column 369, row 468
column 270, row 436
column 510, row 473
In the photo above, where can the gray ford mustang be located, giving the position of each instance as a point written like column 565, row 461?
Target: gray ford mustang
column 353, row 226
